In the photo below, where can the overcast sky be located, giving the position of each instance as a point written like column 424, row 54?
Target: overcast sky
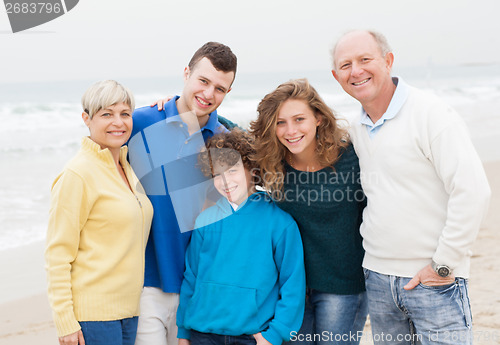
column 123, row 38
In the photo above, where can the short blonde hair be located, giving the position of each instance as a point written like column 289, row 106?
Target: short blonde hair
column 105, row 93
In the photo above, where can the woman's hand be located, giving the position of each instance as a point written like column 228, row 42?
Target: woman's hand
column 72, row 339
column 261, row 340
column 161, row 102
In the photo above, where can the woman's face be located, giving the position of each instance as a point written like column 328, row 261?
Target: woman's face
column 296, row 126
column 110, row 127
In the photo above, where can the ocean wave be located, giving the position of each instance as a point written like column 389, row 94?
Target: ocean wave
column 32, row 117
column 15, row 237
column 49, row 147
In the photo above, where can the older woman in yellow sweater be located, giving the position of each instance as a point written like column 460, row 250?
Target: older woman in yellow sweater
column 98, row 227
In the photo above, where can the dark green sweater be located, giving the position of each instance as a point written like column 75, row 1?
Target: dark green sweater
column 328, row 206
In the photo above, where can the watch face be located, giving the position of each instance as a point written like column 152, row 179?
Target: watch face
column 443, row 272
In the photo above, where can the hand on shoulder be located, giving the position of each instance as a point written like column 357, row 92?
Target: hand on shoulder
column 162, row 102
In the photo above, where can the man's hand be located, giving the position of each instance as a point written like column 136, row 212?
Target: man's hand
column 184, row 342
column 72, row 339
column 261, row 340
column 427, row 276
column 161, row 102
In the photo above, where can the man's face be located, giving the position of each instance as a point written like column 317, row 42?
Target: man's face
column 204, row 88
column 360, row 68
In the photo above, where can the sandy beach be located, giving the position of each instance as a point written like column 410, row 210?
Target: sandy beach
column 25, row 316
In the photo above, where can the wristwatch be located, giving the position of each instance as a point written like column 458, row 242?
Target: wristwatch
column 442, row 270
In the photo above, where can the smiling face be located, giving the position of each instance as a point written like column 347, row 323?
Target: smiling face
column 296, row 127
column 362, row 70
column 110, row 127
column 234, row 183
column 204, row 89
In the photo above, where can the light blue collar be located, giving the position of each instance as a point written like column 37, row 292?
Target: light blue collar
column 397, row 101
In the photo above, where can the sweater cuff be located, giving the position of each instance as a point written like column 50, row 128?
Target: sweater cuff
column 445, row 255
column 66, row 323
column 183, row 333
column 272, row 336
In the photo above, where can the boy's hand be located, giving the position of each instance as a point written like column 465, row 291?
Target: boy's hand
column 260, row 339
column 184, row 342
column 161, row 102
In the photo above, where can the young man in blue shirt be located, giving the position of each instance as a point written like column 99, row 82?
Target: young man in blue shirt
column 162, row 150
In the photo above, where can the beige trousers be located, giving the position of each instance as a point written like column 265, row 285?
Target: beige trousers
column 157, row 317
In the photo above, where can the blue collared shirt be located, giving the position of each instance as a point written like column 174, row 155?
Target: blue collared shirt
column 397, row 101
column 164, row 157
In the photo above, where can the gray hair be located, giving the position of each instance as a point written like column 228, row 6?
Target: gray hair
column 377, row 36
column 104, row 94
column 381, row 42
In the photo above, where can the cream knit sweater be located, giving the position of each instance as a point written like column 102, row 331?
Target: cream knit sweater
column 426, row 188
column 97, row 233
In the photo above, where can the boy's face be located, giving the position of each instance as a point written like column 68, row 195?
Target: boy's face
column 234, row 183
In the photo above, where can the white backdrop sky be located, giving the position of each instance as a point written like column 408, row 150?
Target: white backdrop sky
column 117, row 39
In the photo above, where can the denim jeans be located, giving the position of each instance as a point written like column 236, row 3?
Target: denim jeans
column 117, row 332
column 332, row 319
column 424, row 315
column 198, row 338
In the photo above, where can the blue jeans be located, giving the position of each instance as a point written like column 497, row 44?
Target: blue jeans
column 117, row 332
column 424, row 315
column 198, row 338
column 332, row 319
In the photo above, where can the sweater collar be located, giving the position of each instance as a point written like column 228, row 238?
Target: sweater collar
column 172, row 115
column 397, row 102
column 245, row 207
column 104, row 155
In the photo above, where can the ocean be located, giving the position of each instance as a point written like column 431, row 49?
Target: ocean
column 41, row 126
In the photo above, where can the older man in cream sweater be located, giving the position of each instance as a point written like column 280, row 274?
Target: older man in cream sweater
column 427, row 194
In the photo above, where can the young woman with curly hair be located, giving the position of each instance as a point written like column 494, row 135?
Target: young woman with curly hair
column 310, row 168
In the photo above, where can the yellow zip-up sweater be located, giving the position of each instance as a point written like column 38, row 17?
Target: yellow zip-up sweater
column 97, row 234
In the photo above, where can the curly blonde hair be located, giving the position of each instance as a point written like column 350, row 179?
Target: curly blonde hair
column 270, row 153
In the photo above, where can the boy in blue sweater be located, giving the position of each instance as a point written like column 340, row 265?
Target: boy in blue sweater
column 244, row 281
